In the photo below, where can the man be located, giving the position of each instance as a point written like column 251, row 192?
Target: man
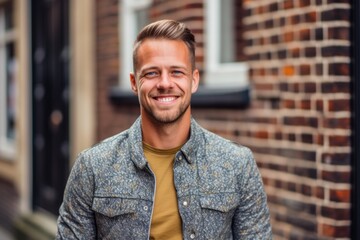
column 165, row 177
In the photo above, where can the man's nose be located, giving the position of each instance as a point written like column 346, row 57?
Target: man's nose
column 165, row 81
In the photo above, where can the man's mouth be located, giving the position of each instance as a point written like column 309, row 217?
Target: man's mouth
column 165, row 99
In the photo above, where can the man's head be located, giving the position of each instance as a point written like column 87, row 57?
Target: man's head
column 164, row 75
column 169, row 30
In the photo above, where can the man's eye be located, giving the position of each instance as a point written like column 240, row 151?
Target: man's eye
column 177, row 73
column 150, row 74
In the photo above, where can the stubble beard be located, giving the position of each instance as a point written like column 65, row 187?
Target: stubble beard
column 164, row 118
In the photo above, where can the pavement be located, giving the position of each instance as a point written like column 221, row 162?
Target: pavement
column 5, row 235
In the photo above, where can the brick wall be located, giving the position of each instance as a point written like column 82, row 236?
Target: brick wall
column 9, row 204
column 110, row 119
column 299, row 58
column 298, row 123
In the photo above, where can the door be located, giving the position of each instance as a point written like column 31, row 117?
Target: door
column 50, row 101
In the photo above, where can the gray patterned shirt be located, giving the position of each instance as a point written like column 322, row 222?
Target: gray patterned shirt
column 110, row 191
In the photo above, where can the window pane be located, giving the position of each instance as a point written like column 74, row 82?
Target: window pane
column 9, row 21
column 227, row 32
column 231, row 41
column 142, row 18
column 10, row 91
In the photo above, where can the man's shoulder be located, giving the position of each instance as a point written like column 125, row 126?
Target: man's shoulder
column 118, row 143
column 220, row 142
column 108, row 146
column 220, row 147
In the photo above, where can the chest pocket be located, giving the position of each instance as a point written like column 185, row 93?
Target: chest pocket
column 222, row 202
column 112, row 207
column 113, row 213
column 217, row 212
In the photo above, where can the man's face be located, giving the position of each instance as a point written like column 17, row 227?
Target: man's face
column 164, row 80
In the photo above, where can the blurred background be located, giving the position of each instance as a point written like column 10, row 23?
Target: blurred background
column 278, row 76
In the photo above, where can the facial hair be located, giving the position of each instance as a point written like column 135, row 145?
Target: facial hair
column 167, row 118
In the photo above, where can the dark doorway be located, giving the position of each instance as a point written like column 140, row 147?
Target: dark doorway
column 50, row 97
column 355, row 121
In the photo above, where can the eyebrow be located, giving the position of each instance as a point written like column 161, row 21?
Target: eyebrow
column 157, row 68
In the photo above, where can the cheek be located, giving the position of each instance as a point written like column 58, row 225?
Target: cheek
column 144, row 87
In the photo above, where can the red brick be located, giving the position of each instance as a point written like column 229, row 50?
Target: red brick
column 310, row 52
column 336, row 176
column 304, row 69
column 339, row 69
column 320, row 192
column 289, row 103
column 295, row 52
column 289, row 70
column 335, row 231
column 304, row 34
column 309, row 87
column 335, row 87
column 340, row 195
column 307, row 138
column 336, row 213
column 339, row 140
column 305, row 104
column 311, row 17
column 304, row 3
column 288, row 37
column 288, row 4
column 340, row 159
column 342, row 33
column 336, row 15
column 337, row 123
column 339, row 105
column 261, row 134
column 332, row 51
column 319, row 105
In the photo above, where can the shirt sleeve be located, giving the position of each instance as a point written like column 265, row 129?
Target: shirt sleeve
column 76, row 219
column 252, row 217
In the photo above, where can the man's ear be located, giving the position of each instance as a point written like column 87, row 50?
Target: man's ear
column 195, row 80
column 133, row 83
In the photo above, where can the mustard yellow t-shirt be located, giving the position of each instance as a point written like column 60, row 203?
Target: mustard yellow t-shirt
column 166, row 221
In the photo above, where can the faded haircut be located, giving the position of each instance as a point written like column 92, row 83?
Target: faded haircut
column 166, row 29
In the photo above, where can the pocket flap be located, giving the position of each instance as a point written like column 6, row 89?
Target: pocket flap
column 222, row 202
column 112, row 206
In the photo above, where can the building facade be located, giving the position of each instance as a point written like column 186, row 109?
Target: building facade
column 276, row 76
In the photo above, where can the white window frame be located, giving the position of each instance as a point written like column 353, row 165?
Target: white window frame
column 218, row 74
column 232, row 75
column 7, row 146
column 127, row 36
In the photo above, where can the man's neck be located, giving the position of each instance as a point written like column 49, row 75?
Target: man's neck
column 166, row 136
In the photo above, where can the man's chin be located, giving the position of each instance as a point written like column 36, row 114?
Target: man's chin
column 169, row 117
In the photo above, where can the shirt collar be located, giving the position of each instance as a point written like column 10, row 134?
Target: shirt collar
column 189, row 149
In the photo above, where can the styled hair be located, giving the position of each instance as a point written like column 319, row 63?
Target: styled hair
column 166, row 29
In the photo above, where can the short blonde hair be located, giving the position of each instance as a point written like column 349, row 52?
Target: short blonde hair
column 166, row 29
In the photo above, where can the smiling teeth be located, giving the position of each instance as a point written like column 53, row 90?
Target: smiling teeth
column 167, row 99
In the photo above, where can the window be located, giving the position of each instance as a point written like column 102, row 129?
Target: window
column 225, row 82
column 133, row 19
column 8, row 81
column 224, row 45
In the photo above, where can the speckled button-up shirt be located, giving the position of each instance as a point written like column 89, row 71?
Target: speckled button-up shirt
column 110, row 191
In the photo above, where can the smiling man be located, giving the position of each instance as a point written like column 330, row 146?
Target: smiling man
column 165, row 177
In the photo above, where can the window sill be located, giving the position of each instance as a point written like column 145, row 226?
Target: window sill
column 7, row 152
column 204, row 98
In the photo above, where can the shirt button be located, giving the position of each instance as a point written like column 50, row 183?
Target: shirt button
column 146, row 208
column 185, row 203
column 192, row 236
column 180, row 157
